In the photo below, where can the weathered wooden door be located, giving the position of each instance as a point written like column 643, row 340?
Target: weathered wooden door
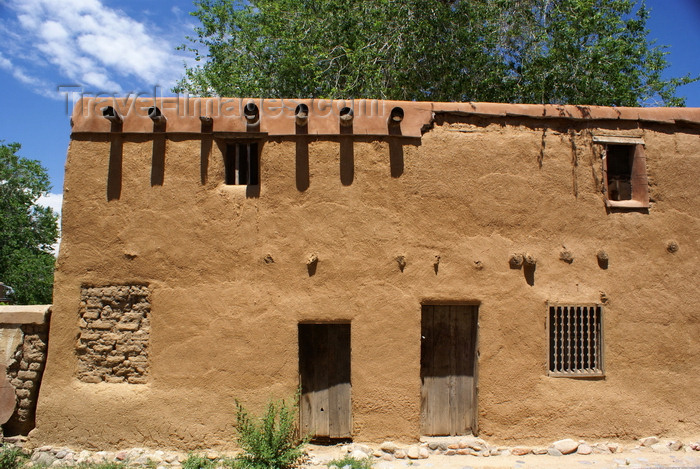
column 448, row 350
column 324, row 368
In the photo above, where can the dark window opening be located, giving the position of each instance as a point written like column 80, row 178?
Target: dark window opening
column 575, row 340
column 625, row 174
column 620, row 159
column 241, row 164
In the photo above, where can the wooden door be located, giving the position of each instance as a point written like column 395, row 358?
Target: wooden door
column 324, row 368
column 448, row 350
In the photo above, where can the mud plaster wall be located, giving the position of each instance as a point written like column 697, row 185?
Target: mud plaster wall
column 224, row 320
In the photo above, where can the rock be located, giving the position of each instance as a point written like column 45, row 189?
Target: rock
column 433, row 445
column 120, row 456
column 450, row 452
column 495, row 452
column 83, row 456
column 695, row 446
column 346, row 448
column 675, row 445
column 211, row 455
column 387, row 457
column 43, row 459
column 584, row 449
column 614, row 448
column 464, row 452
column 359, row 454
column 520, row 451
column 423, row 453
column 413, row 452
column 453, row 446
column 506, row 452
column 474, row 443
column 169, row 458
column 378, row 453
column 661, row 448
column 388, row 447
column 601, row 448
column 399, row 454
column 364, row 448
column 61, row 454
column 554, row 452
column 140, row 461
column 566, row 446
column 648, row 441
column 539, row 451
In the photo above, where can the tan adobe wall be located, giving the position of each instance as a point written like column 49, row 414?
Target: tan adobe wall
column 226, row 269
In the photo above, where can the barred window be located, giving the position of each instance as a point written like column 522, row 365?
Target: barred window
column 241, row 164
column 575, row 340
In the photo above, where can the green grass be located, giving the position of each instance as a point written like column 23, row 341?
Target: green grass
column 195, row 461
column 352, row 463
column 11, row 457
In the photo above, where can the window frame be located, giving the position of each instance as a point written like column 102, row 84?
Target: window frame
column 598, row 372
column 232, row 163
column 638, row 175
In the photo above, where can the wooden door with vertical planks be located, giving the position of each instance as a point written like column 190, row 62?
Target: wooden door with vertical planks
column 324, row 369
column 448, row 351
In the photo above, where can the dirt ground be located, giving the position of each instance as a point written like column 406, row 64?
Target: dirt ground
column 633, row 458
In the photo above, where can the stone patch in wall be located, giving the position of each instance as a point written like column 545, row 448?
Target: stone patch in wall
column 114, row 332
column 25, row 370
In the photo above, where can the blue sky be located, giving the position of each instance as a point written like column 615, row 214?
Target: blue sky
column 53, row 47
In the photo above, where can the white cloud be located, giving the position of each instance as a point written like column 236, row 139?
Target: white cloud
column 88, row 43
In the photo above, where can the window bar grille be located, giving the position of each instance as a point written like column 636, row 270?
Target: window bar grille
column 575, row 339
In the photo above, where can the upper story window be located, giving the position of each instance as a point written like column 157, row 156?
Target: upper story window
column 624, row 172
column 241, row 164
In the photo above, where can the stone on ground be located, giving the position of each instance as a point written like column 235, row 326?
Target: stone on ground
column 566, row 446
column 648, row 441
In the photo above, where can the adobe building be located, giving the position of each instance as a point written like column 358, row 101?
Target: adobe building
column 522, row 272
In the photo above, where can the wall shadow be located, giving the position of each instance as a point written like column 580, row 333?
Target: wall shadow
column 302, row 158
column 158, row 160
column 529, row 271
column 302, row 165
column 114, row 172
column 347, row 161
column 396, row 157
column 205, row 149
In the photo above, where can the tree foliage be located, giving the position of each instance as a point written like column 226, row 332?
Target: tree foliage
column 520, row 51
column 27, row 230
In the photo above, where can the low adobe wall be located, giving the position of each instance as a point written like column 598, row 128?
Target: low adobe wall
column 23, row 342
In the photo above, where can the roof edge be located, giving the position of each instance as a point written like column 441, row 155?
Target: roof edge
column 369, row 117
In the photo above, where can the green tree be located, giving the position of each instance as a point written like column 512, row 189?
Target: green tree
column 521, row 51
column 27, row 230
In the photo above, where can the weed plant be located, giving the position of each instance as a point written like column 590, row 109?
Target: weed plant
column 348, row 462
column 270, row 442
column 11, row 457
column 195, row 461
